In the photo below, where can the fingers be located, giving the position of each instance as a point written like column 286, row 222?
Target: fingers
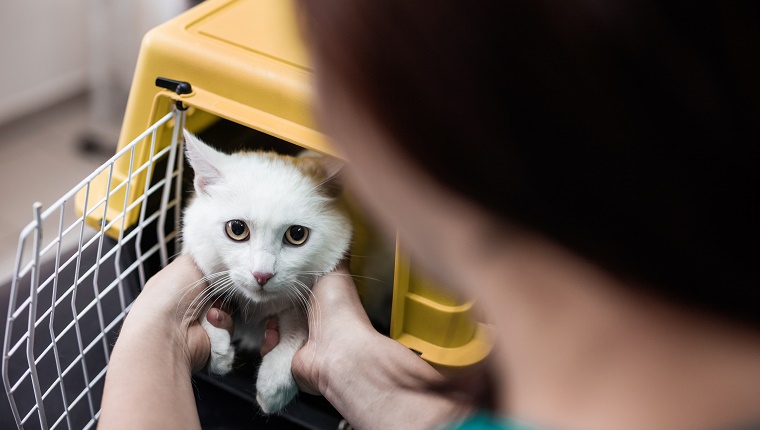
column 336, row 286
column 271, row 336
column 336, row 291
column 173, row 289
column 346, row 321
column 179, row 273
column 176, row 285
column 304, row 371
column 220, row 319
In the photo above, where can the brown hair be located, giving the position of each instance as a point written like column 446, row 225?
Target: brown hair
column 622, row 130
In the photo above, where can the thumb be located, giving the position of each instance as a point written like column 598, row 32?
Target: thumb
column 336, row 291
column 271, row 336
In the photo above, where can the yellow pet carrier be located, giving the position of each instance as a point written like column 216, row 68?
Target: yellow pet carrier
column 231, row 68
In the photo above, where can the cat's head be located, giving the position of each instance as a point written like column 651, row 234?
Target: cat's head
column 270, row 220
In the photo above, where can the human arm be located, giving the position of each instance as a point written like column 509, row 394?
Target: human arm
column 148, row 382
column 373, row 381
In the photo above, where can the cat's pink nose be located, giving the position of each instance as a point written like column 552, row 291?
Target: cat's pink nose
column 262, row 277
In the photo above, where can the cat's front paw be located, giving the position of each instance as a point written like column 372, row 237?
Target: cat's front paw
column 274, row 390
column 222, row 351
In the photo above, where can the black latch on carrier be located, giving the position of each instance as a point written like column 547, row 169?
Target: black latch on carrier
column 179, row 87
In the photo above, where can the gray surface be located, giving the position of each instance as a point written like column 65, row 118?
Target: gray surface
column 40, row 160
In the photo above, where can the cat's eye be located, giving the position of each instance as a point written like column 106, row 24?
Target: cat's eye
column 296, row 235
column 237, row 230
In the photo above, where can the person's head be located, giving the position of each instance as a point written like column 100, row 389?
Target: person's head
column 619, row 130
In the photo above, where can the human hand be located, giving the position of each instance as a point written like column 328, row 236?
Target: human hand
column 353, row 365
column 173, row 299
column 339, row 329
column 338, row 325
column 159, row 345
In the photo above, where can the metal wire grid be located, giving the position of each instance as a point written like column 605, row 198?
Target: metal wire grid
column 65, row 307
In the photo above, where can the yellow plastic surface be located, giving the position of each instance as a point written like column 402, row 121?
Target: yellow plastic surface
column 433, row 323
column 246, row 63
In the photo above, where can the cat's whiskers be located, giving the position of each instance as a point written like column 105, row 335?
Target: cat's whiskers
column 295, row 297
column 228, row 297
column 193, row 311
column 311, row 306
column 308, row 306
column 196, row 300
column 317, row 273
column 357, row 278
column 290, row 296
column 210, row 292
column 213, row 278
column 217, row 291
column 246, row 315
column 187, row 290
column 245, row 304
column 293, row 289
column 301, row 302
column 231, row 299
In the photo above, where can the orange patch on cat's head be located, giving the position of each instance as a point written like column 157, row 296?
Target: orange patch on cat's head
column 326, row 171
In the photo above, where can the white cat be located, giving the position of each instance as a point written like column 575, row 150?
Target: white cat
column 262, row 227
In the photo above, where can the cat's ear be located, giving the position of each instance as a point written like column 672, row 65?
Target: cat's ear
column 205, row 161
column 332, row 169
column 327, row 170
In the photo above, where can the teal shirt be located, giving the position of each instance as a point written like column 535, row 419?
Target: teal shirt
column 483, row 421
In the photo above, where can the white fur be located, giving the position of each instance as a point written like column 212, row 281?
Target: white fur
column 270, row 194
column 222, row 351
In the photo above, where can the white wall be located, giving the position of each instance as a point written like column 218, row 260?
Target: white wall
column 116, row 28
column 43, row 53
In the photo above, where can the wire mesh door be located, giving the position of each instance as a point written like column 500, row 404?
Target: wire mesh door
column 73, row 284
